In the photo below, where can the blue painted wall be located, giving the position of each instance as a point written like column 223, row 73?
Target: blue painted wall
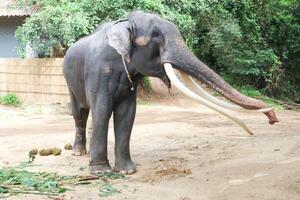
column 8, row 42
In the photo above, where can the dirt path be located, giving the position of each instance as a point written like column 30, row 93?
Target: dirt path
column 180, row 153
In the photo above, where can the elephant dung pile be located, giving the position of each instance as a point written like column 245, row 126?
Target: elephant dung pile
column 50, row 151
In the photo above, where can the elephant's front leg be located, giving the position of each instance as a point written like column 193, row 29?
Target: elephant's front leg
column 124, row 114
column 101, row 112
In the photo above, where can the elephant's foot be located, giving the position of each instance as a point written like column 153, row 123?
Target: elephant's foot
column 126, row 167
column 99, row 167
column 79, row 147
column 79, row 150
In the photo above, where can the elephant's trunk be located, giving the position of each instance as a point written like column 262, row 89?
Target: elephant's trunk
column 181, row 58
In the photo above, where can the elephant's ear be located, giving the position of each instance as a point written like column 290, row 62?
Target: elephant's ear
column 119, row 37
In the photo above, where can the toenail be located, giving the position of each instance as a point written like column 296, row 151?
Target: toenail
column 130, row 172
column 123, row 172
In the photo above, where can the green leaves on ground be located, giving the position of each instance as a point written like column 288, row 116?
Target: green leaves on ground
column 16, row 180
column 112, row 175
column 108, row 190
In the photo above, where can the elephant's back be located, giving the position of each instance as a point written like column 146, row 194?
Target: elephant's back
column 85, row 46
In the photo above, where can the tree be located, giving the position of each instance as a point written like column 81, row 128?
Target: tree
column 254, row 42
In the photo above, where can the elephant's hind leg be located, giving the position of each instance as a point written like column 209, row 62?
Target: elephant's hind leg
column 80, row 116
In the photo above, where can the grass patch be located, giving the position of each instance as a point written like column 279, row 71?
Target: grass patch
column 146, row 83
column 10, row 99
column 252, row 92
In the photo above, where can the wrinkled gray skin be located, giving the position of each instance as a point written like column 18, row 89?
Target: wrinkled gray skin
column 97, row 80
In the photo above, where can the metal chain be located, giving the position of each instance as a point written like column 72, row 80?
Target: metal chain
column 127, row 72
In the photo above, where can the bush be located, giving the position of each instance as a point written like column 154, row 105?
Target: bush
column 146, row 84
column 252, row 92
column 10, row 99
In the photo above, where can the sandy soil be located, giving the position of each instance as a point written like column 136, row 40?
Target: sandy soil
column 182, row 152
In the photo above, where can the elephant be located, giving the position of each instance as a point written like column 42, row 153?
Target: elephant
column 102, row 71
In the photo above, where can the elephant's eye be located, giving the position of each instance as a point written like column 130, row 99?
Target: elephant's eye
column 156, row 36
column 155, row 33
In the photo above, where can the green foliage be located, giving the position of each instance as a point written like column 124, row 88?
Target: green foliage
column 146, row 84
column 14, row 181
column 252, row 92
column 262, row 58
column 54, row 25
column 108, row 190
column 256, row 43
column 112, row 175
column 32, row 155
column 10, row 99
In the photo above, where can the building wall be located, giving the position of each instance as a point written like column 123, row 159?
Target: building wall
column 40, row 80
column 8, row 42
column 34, row 80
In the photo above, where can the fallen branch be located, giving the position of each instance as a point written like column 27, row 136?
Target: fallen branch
column 34, row 192
column 88, row 178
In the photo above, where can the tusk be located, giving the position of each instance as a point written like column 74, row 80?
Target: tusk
column 172, row 76
column 196, row 87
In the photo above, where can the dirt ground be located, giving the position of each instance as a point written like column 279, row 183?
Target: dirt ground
column 182, row 151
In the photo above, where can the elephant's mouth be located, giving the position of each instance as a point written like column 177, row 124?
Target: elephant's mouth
column 193, row 90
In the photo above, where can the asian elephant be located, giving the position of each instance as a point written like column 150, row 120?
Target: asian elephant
column 102, row 71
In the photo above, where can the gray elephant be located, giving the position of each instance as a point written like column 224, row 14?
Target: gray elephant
column 102, row 71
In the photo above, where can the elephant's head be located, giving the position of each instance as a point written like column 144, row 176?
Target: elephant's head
column 154, row 47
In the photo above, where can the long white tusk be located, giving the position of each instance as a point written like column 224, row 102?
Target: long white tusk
column 172, row 76
column 191, row 83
